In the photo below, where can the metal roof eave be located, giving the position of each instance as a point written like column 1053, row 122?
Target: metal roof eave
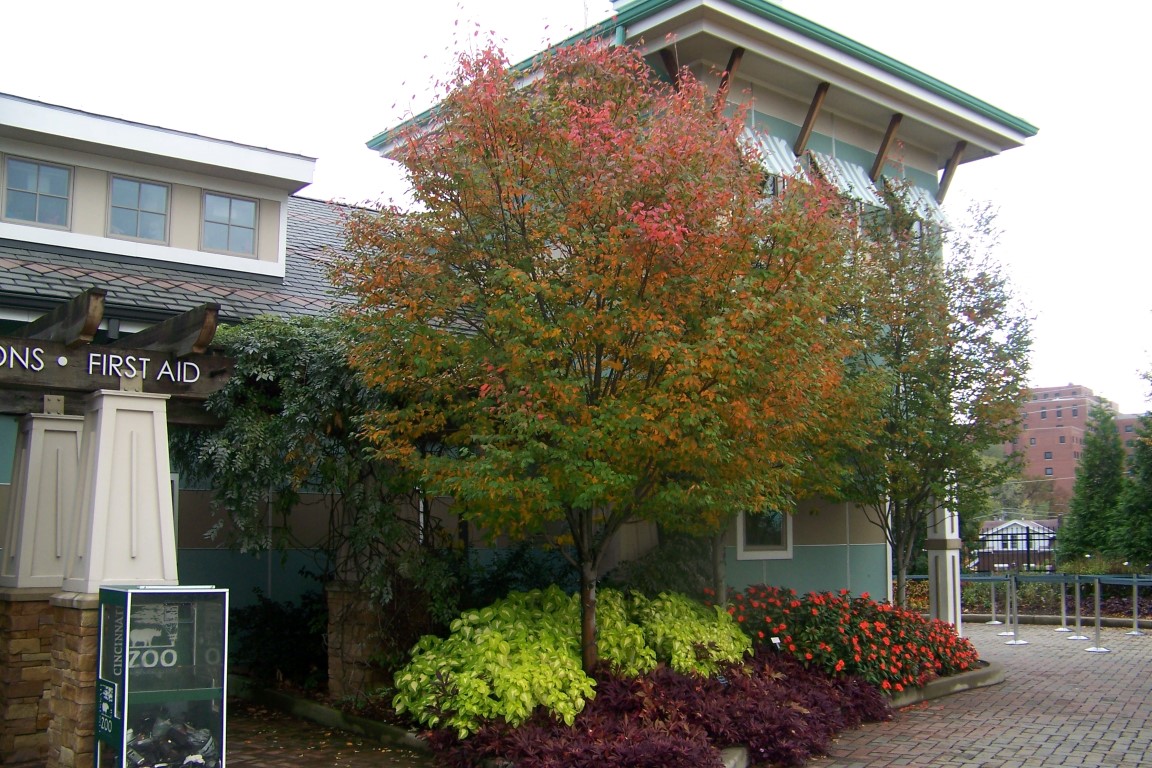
column 640, row 10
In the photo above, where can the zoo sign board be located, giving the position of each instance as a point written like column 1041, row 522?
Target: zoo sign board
column 161, row 676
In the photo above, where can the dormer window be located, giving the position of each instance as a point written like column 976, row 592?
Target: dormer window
column 36, row 192
column 139, row 210
column 229, row 224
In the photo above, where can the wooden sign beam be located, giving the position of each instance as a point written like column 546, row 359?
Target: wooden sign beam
column 71, row 324
column 186, row 334
column 54, row 368
column 885, row 146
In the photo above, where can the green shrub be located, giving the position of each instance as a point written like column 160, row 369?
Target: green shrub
column 689, row 636
column 281, row 643
column 523, row 653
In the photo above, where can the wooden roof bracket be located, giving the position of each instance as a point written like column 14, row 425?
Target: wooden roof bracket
column 810, row 120
column 950, row 170
column 71, row 324
column 726, row 77
column 671, row 65
column 885, row 147
column 183, row 335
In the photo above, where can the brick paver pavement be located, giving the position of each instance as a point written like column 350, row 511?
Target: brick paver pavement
column 1060, row 705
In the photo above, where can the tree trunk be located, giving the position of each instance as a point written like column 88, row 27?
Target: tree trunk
column 590, row 653
column 902, row 586
column 718, row 571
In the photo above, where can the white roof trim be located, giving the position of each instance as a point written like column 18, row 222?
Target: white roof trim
column 295, row 171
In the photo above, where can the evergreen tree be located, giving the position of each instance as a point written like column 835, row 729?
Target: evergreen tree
column 1134, row 532
column 1092, row 519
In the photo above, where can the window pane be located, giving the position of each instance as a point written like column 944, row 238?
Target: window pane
column 241, row 240
column 244, row 213
column 216, row 209
column 21, row 175
column 53, row 181
column 123, row 222
column 154, row 198
column 216, row 236
column 766, row 530
column 20, row 205
column 53, row 210
column 125, row 193
column 151, row 226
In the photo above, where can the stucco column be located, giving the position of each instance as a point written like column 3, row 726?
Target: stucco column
column 944, row 567
column 42, row 514
column 125, row 533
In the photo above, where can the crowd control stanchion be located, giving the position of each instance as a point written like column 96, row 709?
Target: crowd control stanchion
column 1135, row 606
column 992, row 584
column 1097, row 648
column 1063, row 606
column 1076, row 606
column 1014, row 613
column 1008, row 592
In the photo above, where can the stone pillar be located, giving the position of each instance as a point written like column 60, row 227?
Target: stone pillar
column 944, row 567
column 41, row 517
column 72, row 707
column 125, row 533
column 26, row 636
column 352, row 621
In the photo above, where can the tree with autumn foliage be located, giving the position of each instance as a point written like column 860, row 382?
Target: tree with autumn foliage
column 946, row 340
column 593, row 309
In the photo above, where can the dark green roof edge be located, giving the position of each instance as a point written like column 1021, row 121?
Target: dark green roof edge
column 640, row 9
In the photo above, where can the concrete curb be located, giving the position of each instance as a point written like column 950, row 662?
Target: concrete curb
column 988, row 673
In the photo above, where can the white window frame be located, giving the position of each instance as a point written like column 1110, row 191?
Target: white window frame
column 40, row 163
column 255, row 223
column 112, row 177
column 745, row 552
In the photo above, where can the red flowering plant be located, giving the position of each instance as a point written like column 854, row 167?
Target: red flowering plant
column 884, row 645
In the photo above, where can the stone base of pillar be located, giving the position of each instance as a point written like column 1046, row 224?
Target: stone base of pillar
column 353, row 619
column 26, row 634
column 72, row 730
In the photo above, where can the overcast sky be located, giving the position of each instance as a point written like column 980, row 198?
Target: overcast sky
column 320, row 79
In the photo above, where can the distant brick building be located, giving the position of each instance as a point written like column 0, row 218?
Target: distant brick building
column 1052, row 436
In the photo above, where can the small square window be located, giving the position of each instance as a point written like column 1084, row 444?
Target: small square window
column 1127, row 427
column 229, row 224
column 1059, row 413
column 138, row 210
column 37, row 192
column 1062, row 439
column 764, row 536
column 1048, row 471
column 1075, row 411
column 1031, row 441
column 1047, row 454
column 1043, row 413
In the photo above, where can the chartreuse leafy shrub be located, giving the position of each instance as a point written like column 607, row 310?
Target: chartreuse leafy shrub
column 522, row 653
column 782, row 711
column 889, row 647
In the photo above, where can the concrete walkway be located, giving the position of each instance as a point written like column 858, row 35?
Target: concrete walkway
column 1060, row 705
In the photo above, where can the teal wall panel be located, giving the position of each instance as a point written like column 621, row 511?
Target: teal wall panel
column 817, row 569
column 9, row 431
column 277, row 575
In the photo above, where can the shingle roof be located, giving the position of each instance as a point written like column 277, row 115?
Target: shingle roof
column 40, row 277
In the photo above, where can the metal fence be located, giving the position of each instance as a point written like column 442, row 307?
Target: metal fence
column 1021, row 551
